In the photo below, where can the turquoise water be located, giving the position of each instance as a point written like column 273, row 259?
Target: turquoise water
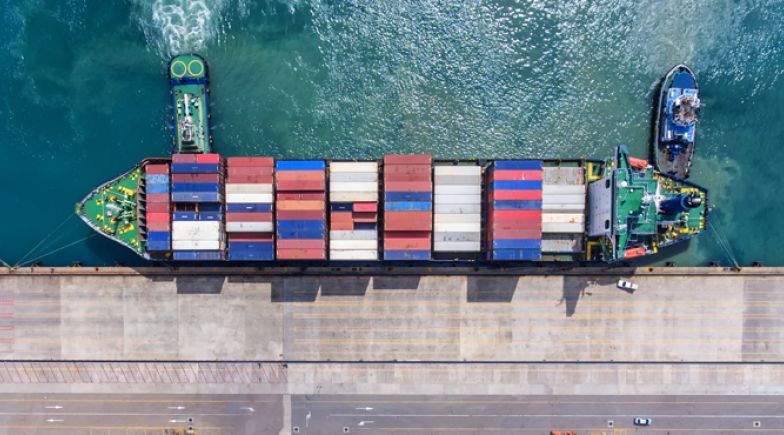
column 84, row 95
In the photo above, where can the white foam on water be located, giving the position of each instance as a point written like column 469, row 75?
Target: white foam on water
column 173, row 27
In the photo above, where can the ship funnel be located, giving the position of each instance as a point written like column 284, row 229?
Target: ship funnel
column 679, row 204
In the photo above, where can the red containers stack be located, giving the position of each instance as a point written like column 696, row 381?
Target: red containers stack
column 249, row 208
column 300, row 215
column 408, row 207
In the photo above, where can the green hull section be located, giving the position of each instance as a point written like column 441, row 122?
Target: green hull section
column 190, row 103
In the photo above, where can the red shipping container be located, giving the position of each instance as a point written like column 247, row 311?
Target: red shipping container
column 249, row 179
column 196, row 178
column 316, row 185
column 301, row 244
column 208, row 158
column 312, row 196
column 158, row 217
column 251, row 237
column 408, row 186
column 516, row 234
column 157, row 197
column 250, row 161
column 158, row 207
column 300, row 176
column 365, row 217
column 532, row 174
column 300, row 205
column 249, row 217
column 408, row 221
column 250, row 171
column 388, row 178
column 159, row 226
column 341, row 217
column 516, row 225
column 300, row 215
column 341, row 225
column 407, row 235
column 183, row 158
column 535, row 215
column 156, row 169
column 366, row 206
column 406, row 244
column 519, row 195
column 408, row 159
column 300, row 254
column 407, row 169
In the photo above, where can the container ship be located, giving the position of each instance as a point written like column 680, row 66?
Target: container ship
column 196, row 205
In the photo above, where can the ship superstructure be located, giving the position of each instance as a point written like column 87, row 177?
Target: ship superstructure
column 678, row 108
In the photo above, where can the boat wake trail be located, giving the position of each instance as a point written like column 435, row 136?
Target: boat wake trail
column 173, row 27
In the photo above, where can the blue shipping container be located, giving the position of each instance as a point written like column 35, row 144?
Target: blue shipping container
column 157, row 178
column 517, row 205
column 239, row 208
column 196, row 187
column 408, row 206
column 299, row 234
column 157, row 188
column 518, row 164
column 195, row 197
column 185, row 216
column 300, row 165
column 158, row 246
column 406, row 255
column 210, row 207
column 251, row 246
column 408, row 196
column 516, row 185
column 517, row 254
column 158, row 236
column 365, row 226
column 251, row 255
column 341, row 206
column 195, row 168
column 210, row 216
column 301, row 225
column 517, row 244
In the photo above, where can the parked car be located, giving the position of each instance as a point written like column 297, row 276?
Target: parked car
column 642, row 421
column 627, row 285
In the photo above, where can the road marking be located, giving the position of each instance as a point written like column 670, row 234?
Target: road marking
column 684, row 416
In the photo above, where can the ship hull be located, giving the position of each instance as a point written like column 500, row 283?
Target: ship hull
column 672, row 151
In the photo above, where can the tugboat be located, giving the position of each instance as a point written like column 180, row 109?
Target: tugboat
column 677, row 111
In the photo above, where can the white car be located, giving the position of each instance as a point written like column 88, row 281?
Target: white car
column 642, row 421
column 627, row 285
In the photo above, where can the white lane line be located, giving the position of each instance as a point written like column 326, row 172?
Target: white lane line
column 130, row 414
column 560, row 415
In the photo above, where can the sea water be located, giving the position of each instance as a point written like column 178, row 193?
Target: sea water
column 84, row 96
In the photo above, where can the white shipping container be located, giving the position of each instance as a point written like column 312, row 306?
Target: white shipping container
column 563, row 208
column 249, row 188
column 250, row 227
column 457, row 170
column 441, row 189
column 456, row 246
column 352, row 244
column 569, row 218
column 248, row 198
column 353, row 167
column 354, row 177
column 353, row 186
column 196, row 230
column 353, row 196
column 457, row 237
column 354, row 235
column 457, row 227
column 458, row 199
column 464, row 218
column 458, row 180
column 563, row 199
column 196, row 245
column 565, row 243
column 555, row 189
column 561, row 227
column 354, row 255
column 458, row 208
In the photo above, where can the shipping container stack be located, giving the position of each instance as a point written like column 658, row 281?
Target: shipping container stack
column 300, row 216
column 157, row 207
column 563, row 207
column 197, row 195
column 514, row 210
column 408, row 207
column 249, row 208
column 458, row 209
column 353, row 200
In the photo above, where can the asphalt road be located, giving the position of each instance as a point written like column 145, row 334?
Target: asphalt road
column 94, row 414
column 536, row 414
